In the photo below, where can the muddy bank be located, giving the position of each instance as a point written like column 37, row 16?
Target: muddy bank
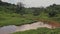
column 12, row 28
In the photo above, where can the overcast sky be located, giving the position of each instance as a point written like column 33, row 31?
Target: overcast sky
column 35, row 3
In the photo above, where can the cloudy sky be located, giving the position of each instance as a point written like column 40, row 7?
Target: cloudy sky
column 35, row 3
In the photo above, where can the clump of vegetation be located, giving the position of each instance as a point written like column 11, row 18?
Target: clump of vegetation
column 40, row 31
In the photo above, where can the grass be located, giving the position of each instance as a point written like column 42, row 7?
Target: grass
column 17, row 19
column 10, row 18
column 40, row 31
column 13, row 19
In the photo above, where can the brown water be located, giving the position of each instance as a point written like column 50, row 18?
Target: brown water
column 12, row 28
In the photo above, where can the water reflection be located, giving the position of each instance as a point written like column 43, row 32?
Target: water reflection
column 7, row 29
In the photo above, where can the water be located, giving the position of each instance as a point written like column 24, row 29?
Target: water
column 7, row 29
column 12, row 28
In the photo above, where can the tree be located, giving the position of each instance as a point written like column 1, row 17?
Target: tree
column 52, row 14
column 36, row 11
column 0, row 0
column 20, row 8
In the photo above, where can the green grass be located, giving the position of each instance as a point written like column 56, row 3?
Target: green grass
column 40, row 31
column 14, row 19
column 17, row 19
column 8, row 17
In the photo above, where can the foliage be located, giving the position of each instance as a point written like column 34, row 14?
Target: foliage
column 20, row 8
column 11, row 14
column 40, row 31
column 52, row 14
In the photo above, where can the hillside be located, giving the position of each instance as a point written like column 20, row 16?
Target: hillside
column 8, row 15
column 11, row 14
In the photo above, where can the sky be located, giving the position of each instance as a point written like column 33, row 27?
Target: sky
column 34, row 3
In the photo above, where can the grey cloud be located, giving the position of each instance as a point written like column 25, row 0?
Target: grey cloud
column 35, row 3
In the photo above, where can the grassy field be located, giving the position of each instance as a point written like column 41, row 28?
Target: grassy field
column 17, row 19
column 40, row 31
column 14, row 19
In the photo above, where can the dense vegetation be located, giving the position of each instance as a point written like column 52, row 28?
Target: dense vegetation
column 11, row 14
column 41, row 31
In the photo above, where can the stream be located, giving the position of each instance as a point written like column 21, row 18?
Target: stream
column 12, row 28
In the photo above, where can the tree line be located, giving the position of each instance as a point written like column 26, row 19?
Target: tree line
column 52, row 10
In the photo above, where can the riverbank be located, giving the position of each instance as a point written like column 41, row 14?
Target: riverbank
column 13, row 28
